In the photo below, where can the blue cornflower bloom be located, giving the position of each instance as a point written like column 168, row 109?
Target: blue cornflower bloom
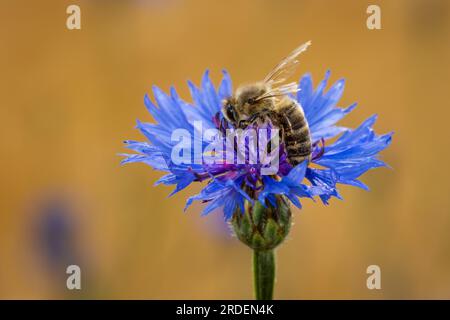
column 230, row 185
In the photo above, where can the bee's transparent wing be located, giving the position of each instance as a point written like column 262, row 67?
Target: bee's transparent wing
column 286, row 67
column 283, row 90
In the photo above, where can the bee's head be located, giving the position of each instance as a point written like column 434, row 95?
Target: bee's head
column 229, row 111
column 244, row 103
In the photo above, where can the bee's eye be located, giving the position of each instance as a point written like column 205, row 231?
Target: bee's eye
column 251, row 101
column 231, row 114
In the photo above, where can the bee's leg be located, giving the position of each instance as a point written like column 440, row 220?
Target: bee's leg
column 281, row 133
column 223, row 125
column 244, row 124
column 318, row 154
column 255, row 117
column 274, row 119
column 281, row 127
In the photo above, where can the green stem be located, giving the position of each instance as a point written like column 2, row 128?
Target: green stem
column 263, row 274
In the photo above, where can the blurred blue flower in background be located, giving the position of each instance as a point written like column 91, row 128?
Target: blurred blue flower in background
column 56, row 232
column 343, row 161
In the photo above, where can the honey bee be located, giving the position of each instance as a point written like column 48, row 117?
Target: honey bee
column 269, row 100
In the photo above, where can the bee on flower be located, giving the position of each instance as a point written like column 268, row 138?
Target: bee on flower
column 303, row 163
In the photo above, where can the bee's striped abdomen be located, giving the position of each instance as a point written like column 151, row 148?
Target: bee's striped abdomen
column 297, row 138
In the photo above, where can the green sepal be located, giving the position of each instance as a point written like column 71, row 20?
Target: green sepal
column 263, row 227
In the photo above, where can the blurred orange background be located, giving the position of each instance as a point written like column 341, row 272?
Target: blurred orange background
column 69, row 99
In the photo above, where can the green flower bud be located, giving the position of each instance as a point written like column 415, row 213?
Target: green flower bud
column 263, row 228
